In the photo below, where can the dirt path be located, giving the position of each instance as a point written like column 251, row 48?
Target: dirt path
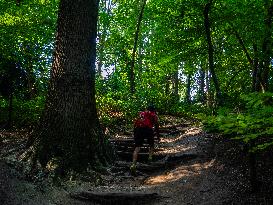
column 189, row 168
column 191, row 180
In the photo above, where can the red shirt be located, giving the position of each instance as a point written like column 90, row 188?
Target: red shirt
column 146, row 119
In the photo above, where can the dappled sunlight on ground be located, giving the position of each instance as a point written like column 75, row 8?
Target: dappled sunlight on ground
column 180, row 173
column 193, row 131
column 168, row 140
column 176, row 149
column 189, row 132
column 173, row 145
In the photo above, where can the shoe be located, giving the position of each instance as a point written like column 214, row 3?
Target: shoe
column 133, row 169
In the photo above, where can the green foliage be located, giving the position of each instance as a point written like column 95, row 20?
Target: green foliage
column 25, row 113
column 27, row 30
column 27, row 34
column 252, row 125
column 171, row 39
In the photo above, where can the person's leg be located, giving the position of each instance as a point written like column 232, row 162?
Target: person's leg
column 151, row 152
column 133, row 166
column 135, row 154
column 138, row 142
column 150, row 137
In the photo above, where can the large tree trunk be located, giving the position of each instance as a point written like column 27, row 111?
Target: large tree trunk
column 211, row 52
column 69, row 133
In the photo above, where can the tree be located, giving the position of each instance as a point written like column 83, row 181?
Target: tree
column 132, row 66
column 12, row 80
column 103, row 33
column 266, row 46
column 69, row 133
column 211, row 51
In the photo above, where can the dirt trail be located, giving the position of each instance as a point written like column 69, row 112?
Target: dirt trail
column 189, row 169
column 191, row 180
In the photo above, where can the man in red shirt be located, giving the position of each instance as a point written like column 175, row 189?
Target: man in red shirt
column 143, row 129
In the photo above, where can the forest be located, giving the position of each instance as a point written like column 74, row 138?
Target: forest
column 74, row 76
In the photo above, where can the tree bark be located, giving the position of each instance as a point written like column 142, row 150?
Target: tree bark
column 69, row 133
column 211, row 52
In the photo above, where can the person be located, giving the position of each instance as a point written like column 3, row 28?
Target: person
column 143, row 129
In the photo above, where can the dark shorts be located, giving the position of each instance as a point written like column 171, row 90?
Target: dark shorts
column 141, row 133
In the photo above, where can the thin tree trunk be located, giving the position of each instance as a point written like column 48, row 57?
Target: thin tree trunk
column 31, row 82
column 132, row 68
column 10, row 84
column 255, row 79
column 266, row 46
column 188, row 91
column 256, row 86
column 208, row 92
column 102, row 37
column 202, row 85
column 241, row 42
column 140, row 57
column 28, row 65
column 211, row 52
column 69, row 133
column 167, row 86
column 176, row 86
